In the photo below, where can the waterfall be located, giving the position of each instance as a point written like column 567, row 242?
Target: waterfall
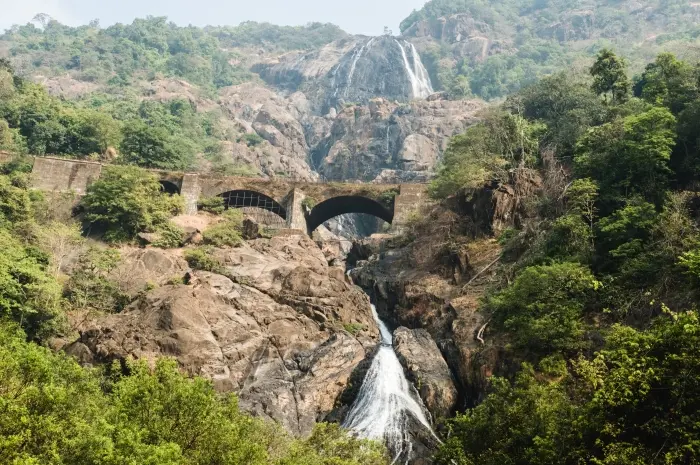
column 420, row 72
column 417, row 74
column 386, row 400
column 356, row 56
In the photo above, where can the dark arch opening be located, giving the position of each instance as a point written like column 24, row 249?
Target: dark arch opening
column 169, row 187
column 246, row 198
column 335, row 206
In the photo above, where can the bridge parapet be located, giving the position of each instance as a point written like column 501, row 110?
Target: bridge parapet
column 304, row 205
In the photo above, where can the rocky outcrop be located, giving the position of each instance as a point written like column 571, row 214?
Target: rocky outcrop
column 270, row 328
column 353, row 70
column 427, row 369
column 366, row 142
column 277, row 120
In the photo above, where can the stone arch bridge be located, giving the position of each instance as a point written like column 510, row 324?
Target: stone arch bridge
column 299, row 205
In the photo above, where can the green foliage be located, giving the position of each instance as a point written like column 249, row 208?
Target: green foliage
column 251, row 139
column 202, row 258
column 309, row 203
column 485, row 152
column 127, row 200
column 15, row 203
column 544, row 306
column 154, row 147
column 29, row 294
column 171, row 236
column 227, row 232
column 386, row 198
column 545, row 433
column 629, row 156
column 603, row 392
column 211, row 204
column 668, row 82
column 566, row 104
column 354, row 328
column 610, row 77
column 55, row 411
column 90, row 287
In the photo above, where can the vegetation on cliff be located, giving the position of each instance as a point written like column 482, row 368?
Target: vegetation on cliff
column 495, row 48
column 598, row 301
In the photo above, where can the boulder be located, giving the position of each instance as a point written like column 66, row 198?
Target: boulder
column 270, row 330
column 251, row 229
column 427, row 369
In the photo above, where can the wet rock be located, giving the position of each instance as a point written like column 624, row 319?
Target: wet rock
column 271, row 330
column 427, row 369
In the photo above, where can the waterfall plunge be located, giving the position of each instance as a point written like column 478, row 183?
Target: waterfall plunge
column 356, row 56
column 417, row 74
column 386, row 400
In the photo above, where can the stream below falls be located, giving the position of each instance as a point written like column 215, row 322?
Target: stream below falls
column 387, row 406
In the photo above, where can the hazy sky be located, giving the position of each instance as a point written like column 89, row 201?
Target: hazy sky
column 355, row 16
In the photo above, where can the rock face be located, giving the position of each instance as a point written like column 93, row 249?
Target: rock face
column 351, row 70
column 282, row 149
column 271, row 330
column 427, row 369
column 408, row 139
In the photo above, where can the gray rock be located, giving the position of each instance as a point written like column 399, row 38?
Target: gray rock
column 271, row 330
column 428, row 370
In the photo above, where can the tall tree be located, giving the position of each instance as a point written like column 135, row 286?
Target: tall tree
column 610, row 77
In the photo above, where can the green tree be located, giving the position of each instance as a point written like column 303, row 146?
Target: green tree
column 532, row 422
column 542, row 310
column 610, row 77
column 486, row 151
column 29, row 294
column 669, row 82
column 127, row 200
column 629, row 156
column 153, row 147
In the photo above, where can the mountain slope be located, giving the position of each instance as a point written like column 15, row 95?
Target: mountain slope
column 492, row 48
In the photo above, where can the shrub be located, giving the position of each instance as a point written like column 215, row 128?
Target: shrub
column 211, row 204
column 227, row 232
column 354, row 328
column 127, row 200
column 544, row 306
column 308, row 202
column 201, row 258
column 251, row 139
column 90, row 288
column 387, row 197
column 171, row 236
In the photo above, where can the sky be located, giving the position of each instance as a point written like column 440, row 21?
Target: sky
column 355, row 16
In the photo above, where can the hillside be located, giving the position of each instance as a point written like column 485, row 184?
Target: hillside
column 493, row 48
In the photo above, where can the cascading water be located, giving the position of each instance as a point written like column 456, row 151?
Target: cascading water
column 417, row 74
column 356, row 56
column 387, row 401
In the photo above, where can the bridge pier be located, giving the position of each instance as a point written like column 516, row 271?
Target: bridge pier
column 190, row 191
column 409, row 199
column 296, row 219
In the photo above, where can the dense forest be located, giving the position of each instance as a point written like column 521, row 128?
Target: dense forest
column 210, row 57
column 597, row 305
column 56, row 412
column 527, row 39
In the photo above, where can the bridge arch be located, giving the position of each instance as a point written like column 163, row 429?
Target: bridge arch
column 335, row 206
column 169, row 187
column 244, row 198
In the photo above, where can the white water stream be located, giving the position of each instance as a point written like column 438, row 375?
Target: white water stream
column 417, row 74
column 386, row 401
column 356, row 56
